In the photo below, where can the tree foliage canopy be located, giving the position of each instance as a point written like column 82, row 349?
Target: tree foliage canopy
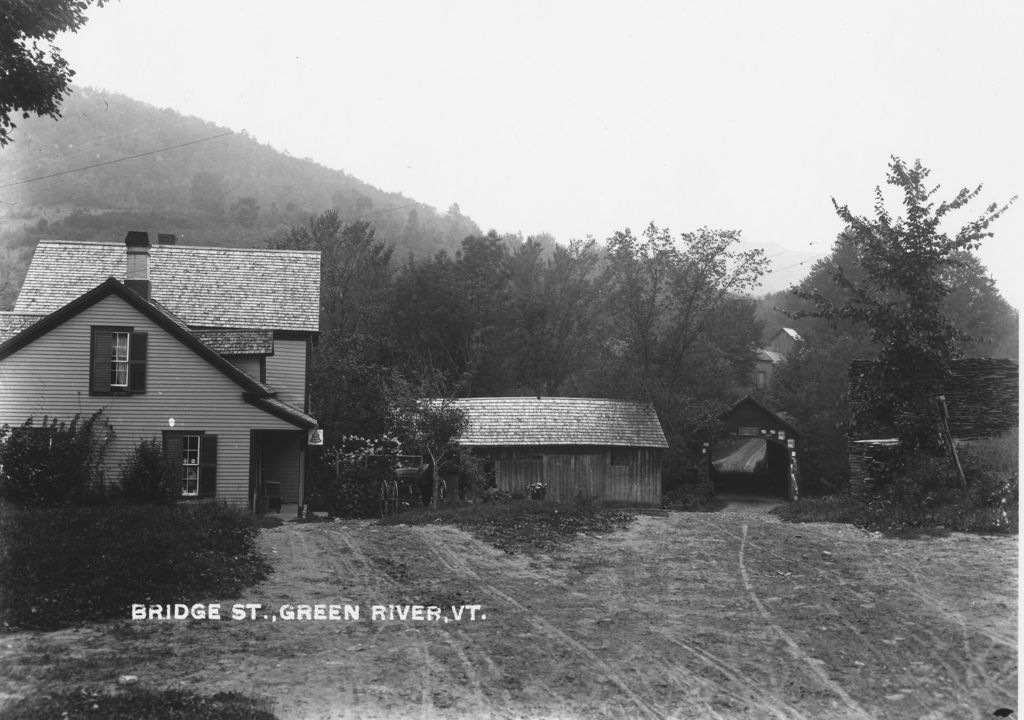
column 34, row 76
column 907, row 267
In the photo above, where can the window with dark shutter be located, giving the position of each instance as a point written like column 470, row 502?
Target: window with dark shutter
column 193, row 459
column 99, row 376
column 173, row 443
column 117, row 361
column 208, row 466
column 137, row 362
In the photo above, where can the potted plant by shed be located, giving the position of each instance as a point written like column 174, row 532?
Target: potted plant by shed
column 537, row 490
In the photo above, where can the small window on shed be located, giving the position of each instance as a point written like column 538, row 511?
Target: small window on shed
column 621, row 456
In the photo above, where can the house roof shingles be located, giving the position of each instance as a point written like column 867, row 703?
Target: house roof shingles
column 206, row 287
column 238, row 342
column 560, row 421
column 253, row 391
column 771, row 356
column 12, row 323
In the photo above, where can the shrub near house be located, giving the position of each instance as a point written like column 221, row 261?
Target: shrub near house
column 53, row 462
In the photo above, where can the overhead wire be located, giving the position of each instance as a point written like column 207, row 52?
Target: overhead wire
column 118, row 160
column 802, row 262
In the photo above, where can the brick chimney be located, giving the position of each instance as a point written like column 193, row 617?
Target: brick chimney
column 136, row 243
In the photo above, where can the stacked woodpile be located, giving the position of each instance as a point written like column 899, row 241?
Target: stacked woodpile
column 872, row 464
column 981, row 394
column 981, row 397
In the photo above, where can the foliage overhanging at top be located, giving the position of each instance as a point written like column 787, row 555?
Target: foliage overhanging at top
column 34, row 76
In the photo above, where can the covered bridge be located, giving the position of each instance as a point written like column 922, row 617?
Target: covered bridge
column 603, row 450
column 758, row 455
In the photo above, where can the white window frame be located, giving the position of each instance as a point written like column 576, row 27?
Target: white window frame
column 118, row 363
column 190, row 468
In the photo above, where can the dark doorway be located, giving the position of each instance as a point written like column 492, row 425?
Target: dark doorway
column 755, row 466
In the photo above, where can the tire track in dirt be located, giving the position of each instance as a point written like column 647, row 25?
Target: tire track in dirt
column 482, row 705
column 735, row 685
column 367, row 571
column 539, row 624
column 775, row 708
column 794, row 649
column 730, row 683
column 867, row 648
column 963, row 658
column 975, row 676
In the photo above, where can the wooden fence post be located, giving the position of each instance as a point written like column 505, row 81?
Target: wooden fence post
column 949, row 440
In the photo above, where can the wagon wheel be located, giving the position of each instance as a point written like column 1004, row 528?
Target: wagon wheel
column 388, row 497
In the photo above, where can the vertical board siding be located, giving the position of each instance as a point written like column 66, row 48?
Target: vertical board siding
column 575, row 471
column 50, row 376
column 572, row 476
column 286, row 371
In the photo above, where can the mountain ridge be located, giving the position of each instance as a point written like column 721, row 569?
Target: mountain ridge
column 112, row 163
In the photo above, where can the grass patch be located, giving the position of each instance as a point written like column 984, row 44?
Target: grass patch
column 66, row 566
column 520, row 525
column 922, row 496
column 692, row 498
column 830, row 508
column 137, row 703
column 893, row 518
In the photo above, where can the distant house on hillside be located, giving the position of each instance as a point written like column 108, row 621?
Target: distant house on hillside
column 204, row 349
column 605, row 450
column 784, row 341
column 782, row 344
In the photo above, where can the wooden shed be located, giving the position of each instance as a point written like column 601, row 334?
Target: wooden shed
column 604, row 450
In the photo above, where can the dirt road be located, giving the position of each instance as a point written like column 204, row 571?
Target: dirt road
column 724, row 615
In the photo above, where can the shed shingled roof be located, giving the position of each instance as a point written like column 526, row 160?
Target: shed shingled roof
column 506, row 421
column 206, row 287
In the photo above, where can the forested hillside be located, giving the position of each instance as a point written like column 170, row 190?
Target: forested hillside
column 112, row 163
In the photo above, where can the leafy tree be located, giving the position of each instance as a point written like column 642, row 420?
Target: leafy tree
column 678, row 333
column 451, row 316
column 550, row 316
column 430, row 321
column 356, row 280
column 209, row 193
column 812, row 387
column 428, row 420
column 974, row 304
column 663, row 298
column 245, row 211
column 34, row 76
column 906, row 265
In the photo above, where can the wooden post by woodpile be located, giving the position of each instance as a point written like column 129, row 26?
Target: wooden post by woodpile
column 981, row 399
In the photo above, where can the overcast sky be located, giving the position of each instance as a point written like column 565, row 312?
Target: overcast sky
column 581, row 118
